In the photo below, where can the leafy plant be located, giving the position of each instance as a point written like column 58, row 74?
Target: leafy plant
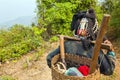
column 53, row 39
column 17, row 41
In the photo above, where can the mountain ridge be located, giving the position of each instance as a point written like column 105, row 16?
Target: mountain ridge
column 23, row 20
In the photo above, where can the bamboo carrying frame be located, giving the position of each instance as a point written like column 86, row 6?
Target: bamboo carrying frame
column 74, row 60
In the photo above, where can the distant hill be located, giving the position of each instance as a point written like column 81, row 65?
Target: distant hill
column 24, row 20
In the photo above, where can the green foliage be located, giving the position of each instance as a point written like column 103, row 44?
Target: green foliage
column 18, row 40
column 6, row 77
column 53, row 39
column 56, row 15
column 37, row 31
column 15, row 34
column 115, row 20
column 99, row 12
column 116, row 15
column 112, row 7
column 108, row 6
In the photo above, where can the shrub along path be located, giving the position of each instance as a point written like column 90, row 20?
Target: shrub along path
column 26, row 68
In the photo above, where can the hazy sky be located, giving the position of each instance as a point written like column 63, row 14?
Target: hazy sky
column 11, row 9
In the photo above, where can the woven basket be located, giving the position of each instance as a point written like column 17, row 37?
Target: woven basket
column 73, row 60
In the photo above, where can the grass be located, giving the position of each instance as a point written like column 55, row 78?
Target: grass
column 6, row 77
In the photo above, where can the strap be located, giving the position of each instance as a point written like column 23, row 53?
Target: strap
column 101, row 60
column 61, row 67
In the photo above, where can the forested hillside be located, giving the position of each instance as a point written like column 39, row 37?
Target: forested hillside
column 54, row 18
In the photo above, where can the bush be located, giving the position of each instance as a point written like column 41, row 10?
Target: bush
column 17, row 41
column 53, row 39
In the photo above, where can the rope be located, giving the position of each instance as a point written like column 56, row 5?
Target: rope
column 61, row 67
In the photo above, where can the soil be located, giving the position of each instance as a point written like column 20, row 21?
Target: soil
column 27, row 68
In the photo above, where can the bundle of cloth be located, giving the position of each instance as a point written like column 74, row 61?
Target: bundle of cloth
column 81, row 71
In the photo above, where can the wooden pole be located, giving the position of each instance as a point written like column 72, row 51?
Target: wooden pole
column 99, row 40
column 103, row 45
column 62, row 53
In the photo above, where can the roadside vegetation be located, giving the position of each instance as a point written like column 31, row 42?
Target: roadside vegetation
column 19, row 40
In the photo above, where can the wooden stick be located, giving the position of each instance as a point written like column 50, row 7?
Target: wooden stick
column 62, row 53
column 103, row 45
column 99, row 40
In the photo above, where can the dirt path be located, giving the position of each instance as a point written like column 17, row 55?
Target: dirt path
column 26, row 68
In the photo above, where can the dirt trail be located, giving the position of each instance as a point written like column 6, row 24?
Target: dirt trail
column 26, row 68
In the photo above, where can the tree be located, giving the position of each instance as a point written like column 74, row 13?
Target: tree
column 108, row 6
column 116, row 15
column 113, row 8
column 115, row 19
column 56, row 15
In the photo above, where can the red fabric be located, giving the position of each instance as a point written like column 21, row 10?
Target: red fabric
column 84, row 70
